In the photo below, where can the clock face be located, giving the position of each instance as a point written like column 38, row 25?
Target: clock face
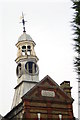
column 31, row 67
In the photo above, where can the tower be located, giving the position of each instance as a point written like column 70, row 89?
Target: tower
column 27, row 69
column 44, row 100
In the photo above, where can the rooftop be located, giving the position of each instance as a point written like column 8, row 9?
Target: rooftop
column 24, row 36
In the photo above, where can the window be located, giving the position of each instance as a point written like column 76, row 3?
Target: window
column 31, row 67
column 23, row 50
column 29, row 47
column 28, row 50
column 18, row 70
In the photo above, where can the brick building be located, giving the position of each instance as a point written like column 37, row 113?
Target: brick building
column 46, row 98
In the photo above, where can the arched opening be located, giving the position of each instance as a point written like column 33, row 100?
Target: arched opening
column 31, row 67
column 18, row 70
column 28, row 50
column 23, row 50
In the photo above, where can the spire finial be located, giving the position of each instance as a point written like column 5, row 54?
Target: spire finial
column 23, row 22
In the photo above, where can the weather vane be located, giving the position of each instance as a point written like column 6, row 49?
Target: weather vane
column 23, row 22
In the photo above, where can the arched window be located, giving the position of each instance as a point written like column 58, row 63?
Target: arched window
column 18, row 70
column 31, row 67
column 28, row 50
column 23, row 50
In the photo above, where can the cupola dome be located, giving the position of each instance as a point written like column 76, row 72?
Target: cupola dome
column 24, row 36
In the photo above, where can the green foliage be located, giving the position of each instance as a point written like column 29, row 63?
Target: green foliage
column 76, row 25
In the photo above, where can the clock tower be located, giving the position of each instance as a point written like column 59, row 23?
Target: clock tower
column 27, row 70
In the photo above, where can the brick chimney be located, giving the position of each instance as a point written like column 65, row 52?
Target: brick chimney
column 65, row 85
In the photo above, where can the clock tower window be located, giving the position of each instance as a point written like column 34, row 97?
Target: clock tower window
column 24, row 50
column 31, row 67
column 18, row 70
column 28, row 50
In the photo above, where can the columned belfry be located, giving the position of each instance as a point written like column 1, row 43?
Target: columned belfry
column 27, row 69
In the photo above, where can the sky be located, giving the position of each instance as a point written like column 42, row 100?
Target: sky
column 49, row 25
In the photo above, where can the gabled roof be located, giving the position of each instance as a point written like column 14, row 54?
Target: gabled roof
column 47, row 83
column 13, row 111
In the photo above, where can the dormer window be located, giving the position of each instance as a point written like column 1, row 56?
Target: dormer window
column 23, row 50
column 28, row 50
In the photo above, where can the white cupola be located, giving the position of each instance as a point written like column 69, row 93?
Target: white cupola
column 27, row 69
